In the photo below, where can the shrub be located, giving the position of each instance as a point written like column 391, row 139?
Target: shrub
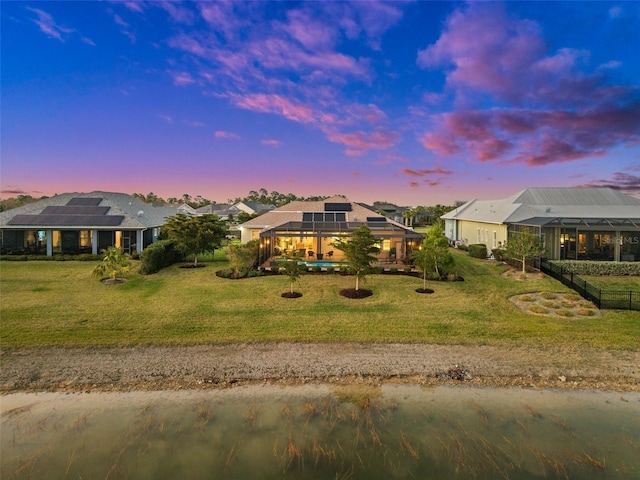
column 548, row 295
column 594, row 268
column 499, row 254
column 478, row 250
column 408, row 269
column 316, row 269
column 393, row 270
column 565, row 313
column 159, row 255
column 331, row 269
column 377, row 270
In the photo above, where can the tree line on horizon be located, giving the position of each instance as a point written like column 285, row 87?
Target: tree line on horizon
column 412, row 216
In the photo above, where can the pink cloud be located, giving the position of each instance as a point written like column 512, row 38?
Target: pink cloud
column 365, row 141
column 182, row 79
column 134, row 6
column 553, row 108
column 177, row 13
column 48, row 26
column 490, row 53
column 271, row 142
column 166, row 118
column 276, row 104
column 621, row 181
column 531, row 136
column 426, row 172
column 223, row 134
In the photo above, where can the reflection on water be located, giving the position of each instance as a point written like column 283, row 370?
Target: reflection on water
column 322, row 432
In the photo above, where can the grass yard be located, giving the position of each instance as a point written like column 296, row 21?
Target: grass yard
column 61, row 304
column 614, row 283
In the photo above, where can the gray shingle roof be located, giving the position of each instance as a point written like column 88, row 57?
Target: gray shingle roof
column 135, row 214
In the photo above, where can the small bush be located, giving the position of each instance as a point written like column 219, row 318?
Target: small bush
column 377, row 270
column 586, row 312
column 331, row 269
column 407, row 269
column 316, row 269
column 499, row 254
column 526, row 298
column 565, row 313
column 548, row 295
column 393, row 270
column 478, row 250
column 159, row 255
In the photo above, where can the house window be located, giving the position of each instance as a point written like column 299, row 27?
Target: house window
column 495, row 239
column 478, row 236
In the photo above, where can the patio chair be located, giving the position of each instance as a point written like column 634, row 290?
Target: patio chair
column 311, row 254
column 330, row 254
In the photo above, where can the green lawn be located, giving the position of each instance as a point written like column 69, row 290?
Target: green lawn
column 59, row 303
column 614, row 283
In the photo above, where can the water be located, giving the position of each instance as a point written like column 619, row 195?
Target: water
column 322, row 432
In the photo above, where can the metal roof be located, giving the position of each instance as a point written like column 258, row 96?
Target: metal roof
column 559, row 206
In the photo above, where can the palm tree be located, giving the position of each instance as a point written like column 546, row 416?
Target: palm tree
column 115, row 264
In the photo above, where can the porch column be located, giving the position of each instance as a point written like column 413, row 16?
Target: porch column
column 49, row 243
column 139, row 241
column 94, row 242
column 617, row 245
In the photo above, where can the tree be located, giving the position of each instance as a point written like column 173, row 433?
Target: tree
column 359, row 251
column 114, row 264
column 196, row 235
column 434, row 255
column 243, row 257
column 524, row 245
column 293, row 269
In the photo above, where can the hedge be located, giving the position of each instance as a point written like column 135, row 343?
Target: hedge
column 159, row 255
column 478, row 250
column 595, row 268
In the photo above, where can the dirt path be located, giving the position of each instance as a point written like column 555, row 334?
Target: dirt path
column 221, row 366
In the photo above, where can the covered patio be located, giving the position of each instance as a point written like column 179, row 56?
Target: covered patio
column 313, row 240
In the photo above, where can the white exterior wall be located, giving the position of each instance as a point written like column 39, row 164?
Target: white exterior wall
column 248, row 234
column 480, row 232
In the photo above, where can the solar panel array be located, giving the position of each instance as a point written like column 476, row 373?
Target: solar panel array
column 74, row 210
column 337, row 207
column 78, row 212
column 85, row 201
column 67, row 220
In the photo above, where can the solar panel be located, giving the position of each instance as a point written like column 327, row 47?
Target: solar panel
column 337, row 207
column 67, row 220
column 74, row 210
column 85, row 201
column 376, row 219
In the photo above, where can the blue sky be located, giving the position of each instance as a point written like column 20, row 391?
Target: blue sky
column 415, row 103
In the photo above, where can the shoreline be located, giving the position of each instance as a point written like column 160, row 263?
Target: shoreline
column 151, row 368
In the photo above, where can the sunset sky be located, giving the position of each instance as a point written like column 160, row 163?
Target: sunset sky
column 415, row 103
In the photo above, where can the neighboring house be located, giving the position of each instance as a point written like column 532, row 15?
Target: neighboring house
column 214, row 208
column 81, row 223
column 589, row 223
column 253, row 208
column 394, row 212
column 310, row 227
column 168, row 210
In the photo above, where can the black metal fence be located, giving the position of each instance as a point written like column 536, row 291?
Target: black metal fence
column 624, row 300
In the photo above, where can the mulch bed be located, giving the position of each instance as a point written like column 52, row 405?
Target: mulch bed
column 424, row 290
column 291, row 295
column 353, row 293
